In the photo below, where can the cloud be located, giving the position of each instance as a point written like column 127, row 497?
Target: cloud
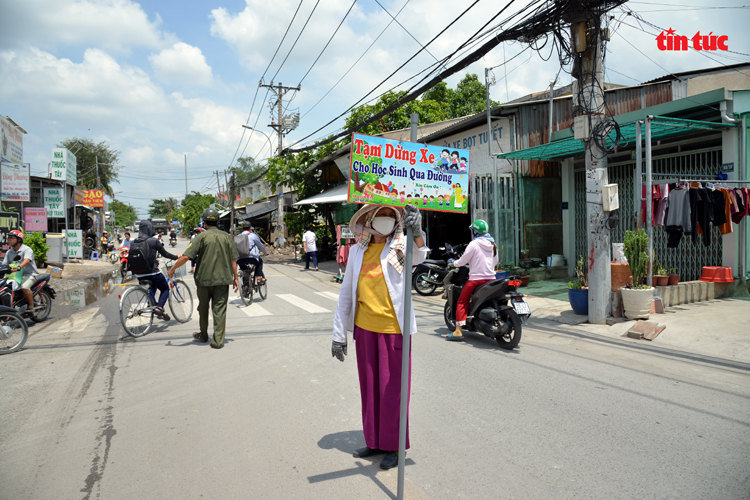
column 108, row 24
column 182, row 64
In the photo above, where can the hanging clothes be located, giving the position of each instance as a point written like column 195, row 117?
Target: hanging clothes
column 678, row 217
column 703, row 216
column 726, row 227
column 719, row 204
column 661, row 202
column 741, row 201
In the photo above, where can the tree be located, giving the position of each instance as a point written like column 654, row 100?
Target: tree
column 247, row 169
column 192, row 208
column 437, row 104
column 87, row 153
column 124, row 213
column 162, row 207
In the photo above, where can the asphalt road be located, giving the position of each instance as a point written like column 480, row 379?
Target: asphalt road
column 88, row 412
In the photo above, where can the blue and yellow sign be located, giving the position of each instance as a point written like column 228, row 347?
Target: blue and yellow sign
column 397, row 173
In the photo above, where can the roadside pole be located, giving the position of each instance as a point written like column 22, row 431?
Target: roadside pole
column 495, row 197
column 406, row 349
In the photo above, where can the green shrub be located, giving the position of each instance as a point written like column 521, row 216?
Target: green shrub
column 635, row 245
column 39, row 245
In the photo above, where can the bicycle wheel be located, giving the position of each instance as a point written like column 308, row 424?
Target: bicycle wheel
column 136, row 311
column 181, row 301
column 263, row 290
column 246, row 289
column 13, row 332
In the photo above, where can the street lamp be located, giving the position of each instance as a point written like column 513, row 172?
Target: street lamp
column 267, row 137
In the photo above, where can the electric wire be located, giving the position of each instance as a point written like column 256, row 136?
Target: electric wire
column 296, row 40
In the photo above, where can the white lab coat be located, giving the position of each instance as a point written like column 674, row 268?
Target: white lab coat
column 346, row 310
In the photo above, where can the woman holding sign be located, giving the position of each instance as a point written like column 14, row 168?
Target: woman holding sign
column 371, row 305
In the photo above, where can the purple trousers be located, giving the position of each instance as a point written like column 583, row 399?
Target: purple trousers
column 379, row 367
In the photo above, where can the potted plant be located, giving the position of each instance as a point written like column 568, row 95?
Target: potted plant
column 636, row 299
column 661, row 278
column 578, row 289
column 674, row 278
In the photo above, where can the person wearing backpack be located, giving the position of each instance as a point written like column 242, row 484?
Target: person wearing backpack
column 215, row 269
column 143, row 263
column 250, row 247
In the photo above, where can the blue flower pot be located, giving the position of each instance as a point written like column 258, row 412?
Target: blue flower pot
column 579, row 300
column 500, row 275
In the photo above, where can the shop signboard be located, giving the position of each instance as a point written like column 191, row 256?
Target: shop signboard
column 397, row 173
column 14, row 182
column 11, row 142
column 64, row 166
column 34, row 219
column 93, row 198
column 54, row 202
column 8, row 222
column 75, row 244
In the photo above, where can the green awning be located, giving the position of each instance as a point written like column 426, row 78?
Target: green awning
column 661, row 127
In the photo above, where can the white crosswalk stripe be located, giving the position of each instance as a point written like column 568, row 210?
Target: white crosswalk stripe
column 329, row 295
column 302, row 303
column 255, row 310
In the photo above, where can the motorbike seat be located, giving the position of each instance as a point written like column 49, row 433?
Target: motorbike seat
column 436, row 262
column 43, row 277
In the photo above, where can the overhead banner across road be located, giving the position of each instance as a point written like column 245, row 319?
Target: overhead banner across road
column 398, row 173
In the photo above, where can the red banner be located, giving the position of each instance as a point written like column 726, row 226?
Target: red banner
column 93, row 198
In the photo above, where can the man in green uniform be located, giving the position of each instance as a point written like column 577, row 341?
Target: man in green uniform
column 215, row 270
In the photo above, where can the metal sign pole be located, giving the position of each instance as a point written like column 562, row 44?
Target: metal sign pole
column 406, row 349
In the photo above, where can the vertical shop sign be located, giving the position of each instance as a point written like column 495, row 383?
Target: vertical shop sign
column 75, row 244
column 14, row 182
column 54, row 202
column 35, row 219
column 64, row 166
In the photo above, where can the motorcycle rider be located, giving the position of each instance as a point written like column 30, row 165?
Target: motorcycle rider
column 126, row 241
column 173, row 235
column 15, row 241
column 481, row 256
column 257, row 251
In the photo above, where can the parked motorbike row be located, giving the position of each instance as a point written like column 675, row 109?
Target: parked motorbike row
column 496, row 309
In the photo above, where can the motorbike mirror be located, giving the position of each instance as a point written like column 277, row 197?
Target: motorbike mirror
column 441, row 248
column 448, row 246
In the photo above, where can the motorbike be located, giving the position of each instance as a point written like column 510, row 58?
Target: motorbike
column 42, row 292
column 429, row 275
column 496, row 309
column 124, row 267
column 172, row 242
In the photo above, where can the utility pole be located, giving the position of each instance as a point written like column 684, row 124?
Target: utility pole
column 186, row 188
column 285, row 124
column 231, row 194
column 495, row 197
column 218, row 183
column 101, row 209
column 587, row 35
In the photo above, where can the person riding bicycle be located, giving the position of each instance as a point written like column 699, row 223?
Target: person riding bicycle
column 27, row 263
column 481, row 256
column 149, row 246
column 257, row 251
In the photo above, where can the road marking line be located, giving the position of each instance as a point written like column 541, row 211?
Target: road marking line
column 301, row 303
column 329, row 295
column 255, row 310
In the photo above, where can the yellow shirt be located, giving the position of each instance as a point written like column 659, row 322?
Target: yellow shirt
column 374, row 307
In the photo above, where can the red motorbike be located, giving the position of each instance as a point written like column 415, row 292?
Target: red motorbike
column 124, row 267
column 42, row 293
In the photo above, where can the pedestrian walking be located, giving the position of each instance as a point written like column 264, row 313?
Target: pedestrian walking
column 311, row 250
column 371, row 306
column 215, row 269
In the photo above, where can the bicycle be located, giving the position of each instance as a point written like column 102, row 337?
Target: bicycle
column 248, row 285
column 13, row 330
column 138, row 304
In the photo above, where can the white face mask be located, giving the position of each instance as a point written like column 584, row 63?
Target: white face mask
column 383, row 225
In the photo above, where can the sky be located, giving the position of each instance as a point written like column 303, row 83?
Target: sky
column 165, row 80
